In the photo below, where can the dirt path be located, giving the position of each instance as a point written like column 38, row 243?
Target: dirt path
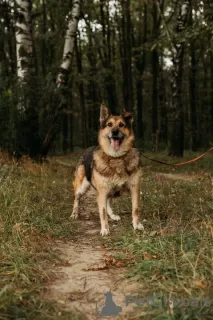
column 90, row 271
column 181, row 177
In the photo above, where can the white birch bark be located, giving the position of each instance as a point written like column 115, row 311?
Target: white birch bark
column 69, row 44
column 24, row 43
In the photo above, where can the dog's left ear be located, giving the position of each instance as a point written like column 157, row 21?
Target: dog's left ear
column 128, row 116
column 104, row 113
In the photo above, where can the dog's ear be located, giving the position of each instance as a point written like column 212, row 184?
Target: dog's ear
column 104, row 113
column 128, row 116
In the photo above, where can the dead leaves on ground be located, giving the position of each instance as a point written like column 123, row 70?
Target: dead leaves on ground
column 109, row 261
column 199, row 284
column 148, row 256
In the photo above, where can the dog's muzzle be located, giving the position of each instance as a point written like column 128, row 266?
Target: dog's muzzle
column 116, row 138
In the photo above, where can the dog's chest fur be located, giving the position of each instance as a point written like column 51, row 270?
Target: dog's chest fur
column 115, row 172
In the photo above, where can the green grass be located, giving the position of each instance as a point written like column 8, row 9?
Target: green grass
column 35, row 203
column 174, row 256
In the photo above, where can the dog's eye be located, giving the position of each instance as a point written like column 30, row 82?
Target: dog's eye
column 121, row 125
column 109, row 124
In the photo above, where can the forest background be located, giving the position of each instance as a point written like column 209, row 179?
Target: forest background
column 60, row 59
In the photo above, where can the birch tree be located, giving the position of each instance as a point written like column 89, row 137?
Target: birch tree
column 24, row 43
column 28, row 139
column 69, row 44
column 176, row 109
column 63, row 75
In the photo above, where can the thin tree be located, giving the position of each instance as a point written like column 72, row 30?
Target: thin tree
column 63, row 75
column 69, row 45
column 209, row 18
column 28, row 140
column 155, row 76
column 192, row 87
column 176, row 147
column 140, row 63
column 126, row 54
column 24, row 42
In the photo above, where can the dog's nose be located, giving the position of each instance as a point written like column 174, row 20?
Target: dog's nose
column 115, row 133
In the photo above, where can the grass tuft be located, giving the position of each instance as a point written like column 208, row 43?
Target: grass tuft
column 35, row 204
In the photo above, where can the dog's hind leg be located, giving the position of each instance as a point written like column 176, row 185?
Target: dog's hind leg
column 110, row 212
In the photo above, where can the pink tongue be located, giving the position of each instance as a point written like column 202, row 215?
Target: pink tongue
column 115, row 144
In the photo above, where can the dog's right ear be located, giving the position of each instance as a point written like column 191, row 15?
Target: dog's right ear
column 104, row 114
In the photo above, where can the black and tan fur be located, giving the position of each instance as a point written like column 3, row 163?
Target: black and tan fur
column 112, row 167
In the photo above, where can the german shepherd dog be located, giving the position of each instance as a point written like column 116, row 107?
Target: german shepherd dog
column 110, row 168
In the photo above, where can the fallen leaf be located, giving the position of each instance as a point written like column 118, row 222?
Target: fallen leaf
column 68, row 262
column 147, row 256
column 96, row 267
column 120, row 264
column 110, row 260
column 199, row 284
column 153, row 233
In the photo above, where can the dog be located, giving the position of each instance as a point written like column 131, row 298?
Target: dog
column 110, row 168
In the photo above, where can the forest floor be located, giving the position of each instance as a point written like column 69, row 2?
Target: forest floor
column 54, row 268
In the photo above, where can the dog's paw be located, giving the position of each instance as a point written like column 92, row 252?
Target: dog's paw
column 138, row 226
column 104, row 232
column 115, row 217
column 74, row 215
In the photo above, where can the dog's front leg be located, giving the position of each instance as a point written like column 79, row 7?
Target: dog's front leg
column 102, row 205
column 134, row 186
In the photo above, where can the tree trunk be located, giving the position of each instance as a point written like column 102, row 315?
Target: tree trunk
column 203, row 125
column 193, row 97
column 155, row 78
column 109, row 80
column 126, row 55
column 140, row 61
column 8, row 16
column 84, row 128
column 69, row 44
column 28, row 140
column 163, row 106
column 193, row 88
column 93, row 96
column 211, row 111
column 63, row 76
column 43, row 44
column 176, row 110
column 24, row 42
column 65, row 132
column 208, row 12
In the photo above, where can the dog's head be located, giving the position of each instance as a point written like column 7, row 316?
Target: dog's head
column 115, row 135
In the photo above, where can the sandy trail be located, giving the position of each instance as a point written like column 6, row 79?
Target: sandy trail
column 81, row 290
